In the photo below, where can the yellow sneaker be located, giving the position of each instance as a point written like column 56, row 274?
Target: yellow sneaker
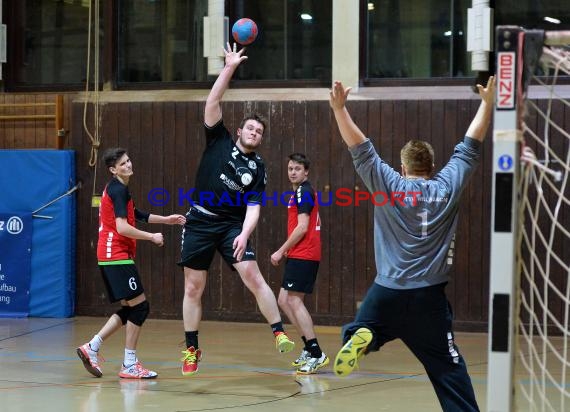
column 302, row 359
column 347, row 357
column 283, row 343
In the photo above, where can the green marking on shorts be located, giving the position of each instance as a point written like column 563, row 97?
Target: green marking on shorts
column 117, row 262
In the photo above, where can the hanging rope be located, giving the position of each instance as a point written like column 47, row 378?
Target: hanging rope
column 95, row 136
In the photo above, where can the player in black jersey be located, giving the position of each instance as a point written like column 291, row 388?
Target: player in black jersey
column 229, row 190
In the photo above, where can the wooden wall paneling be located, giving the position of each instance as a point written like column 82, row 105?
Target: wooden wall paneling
column 21, row 135
column 109, row 138
column 318, row 138
column 273, row 226
column 180, row 160
column 153, row 140
column 43, row 136
column 339, row 291
column 424, row 121
column 3, row 137
column 165, row 264
column 282, row 132
column 321, row 158
column 348, row 259
column 30, row 133
column 384, row 140
column 300, row 121
column 351, row 269
column 7, row 126
column 437, row 133
column 28, row 127
column 400, row 129
column 348, row 182
column 84, row 282
column 90, row 296
column 412, row 116
column 471, row 214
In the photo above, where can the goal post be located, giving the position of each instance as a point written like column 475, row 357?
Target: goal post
column 506, row 154
column 529, row 287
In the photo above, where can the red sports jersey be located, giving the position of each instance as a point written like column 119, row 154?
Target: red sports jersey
column 305, row 201
column 115, row 202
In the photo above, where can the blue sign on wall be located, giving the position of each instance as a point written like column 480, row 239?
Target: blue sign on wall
column 15, row 264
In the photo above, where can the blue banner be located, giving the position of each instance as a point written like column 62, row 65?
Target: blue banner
column 15, row 264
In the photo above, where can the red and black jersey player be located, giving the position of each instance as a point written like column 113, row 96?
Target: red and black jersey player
column 302, row 248
column 116, row 249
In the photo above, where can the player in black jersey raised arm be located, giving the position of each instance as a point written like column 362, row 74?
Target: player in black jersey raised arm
column 226, row 204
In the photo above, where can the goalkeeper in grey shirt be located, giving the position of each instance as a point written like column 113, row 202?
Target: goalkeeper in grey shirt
column 413, row 246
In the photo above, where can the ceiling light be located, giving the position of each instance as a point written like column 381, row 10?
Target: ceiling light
column 552, row 20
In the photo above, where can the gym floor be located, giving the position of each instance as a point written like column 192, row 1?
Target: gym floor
column 240, row 371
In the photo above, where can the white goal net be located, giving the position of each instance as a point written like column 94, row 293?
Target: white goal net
column 542, row 354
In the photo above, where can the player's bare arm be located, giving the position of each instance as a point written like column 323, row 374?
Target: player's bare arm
column 349, row 131
column 125, row 229
column 213, row 110
column 478, row 127
column 296, row 236
column 175, row 219
column 249, row 224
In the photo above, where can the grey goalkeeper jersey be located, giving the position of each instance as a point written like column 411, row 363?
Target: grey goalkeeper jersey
column 414, row 228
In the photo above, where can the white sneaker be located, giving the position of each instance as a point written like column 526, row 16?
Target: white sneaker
column 313, row 365
column 136, row 371
column 89, row 359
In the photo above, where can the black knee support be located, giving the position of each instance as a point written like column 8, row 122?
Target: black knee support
column 138, row 313
column 123, row 313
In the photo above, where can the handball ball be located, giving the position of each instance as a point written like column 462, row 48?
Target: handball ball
column 244, row 31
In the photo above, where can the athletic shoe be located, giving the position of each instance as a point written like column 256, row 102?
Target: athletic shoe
column 136, row 371
column 347, row 357
column 283, row 343
column 302, row 359
column 190, row 361
column 313, row 365
column 90, row 360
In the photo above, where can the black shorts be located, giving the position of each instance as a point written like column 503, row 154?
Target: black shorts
column 122, row 281
column 204, row 234
column 300, row 275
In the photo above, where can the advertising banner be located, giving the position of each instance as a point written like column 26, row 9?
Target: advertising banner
column 15, row 264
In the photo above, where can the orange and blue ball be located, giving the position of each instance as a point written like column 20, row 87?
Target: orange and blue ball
column 244, row 31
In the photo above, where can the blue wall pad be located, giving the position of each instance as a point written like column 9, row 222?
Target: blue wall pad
column 29, row 179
